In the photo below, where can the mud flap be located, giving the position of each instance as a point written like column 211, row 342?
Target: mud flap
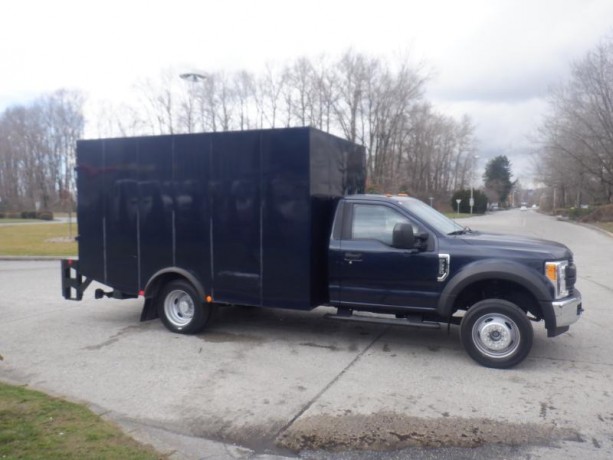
column 149, row 311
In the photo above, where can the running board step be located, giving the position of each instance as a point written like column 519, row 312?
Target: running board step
column 386, row 321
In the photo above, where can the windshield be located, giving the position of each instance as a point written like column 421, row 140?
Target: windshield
column 431, row 216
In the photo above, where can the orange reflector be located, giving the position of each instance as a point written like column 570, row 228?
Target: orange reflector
column 209, row 299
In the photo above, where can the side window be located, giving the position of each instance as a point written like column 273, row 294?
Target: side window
column 374, row 222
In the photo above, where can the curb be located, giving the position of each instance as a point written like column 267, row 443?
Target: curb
column 597, row 228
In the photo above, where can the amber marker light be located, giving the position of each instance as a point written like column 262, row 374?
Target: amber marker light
column 551, row 271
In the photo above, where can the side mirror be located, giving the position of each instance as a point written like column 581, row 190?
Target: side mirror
column 403, row 237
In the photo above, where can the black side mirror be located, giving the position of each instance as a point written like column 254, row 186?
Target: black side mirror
column 403, row 237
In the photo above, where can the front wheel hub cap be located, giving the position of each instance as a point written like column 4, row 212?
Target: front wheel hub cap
column 496, row 336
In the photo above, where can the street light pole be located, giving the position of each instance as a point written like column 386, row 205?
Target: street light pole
column 472, row 199
column 192, row 78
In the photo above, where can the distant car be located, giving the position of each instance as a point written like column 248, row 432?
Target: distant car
column 523, row 208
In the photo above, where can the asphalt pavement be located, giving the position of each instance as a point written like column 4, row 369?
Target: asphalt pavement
column 262, row 383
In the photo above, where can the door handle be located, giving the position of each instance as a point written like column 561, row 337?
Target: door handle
column 353, row 257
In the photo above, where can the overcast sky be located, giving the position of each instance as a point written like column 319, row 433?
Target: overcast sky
column 490, row 59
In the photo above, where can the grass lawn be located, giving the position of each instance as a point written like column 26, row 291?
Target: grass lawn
column 37, row 240
column 36, row 426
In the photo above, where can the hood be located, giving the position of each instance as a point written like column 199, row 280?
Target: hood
column 516, row 243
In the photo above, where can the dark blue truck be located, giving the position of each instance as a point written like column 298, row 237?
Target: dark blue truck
column 279, row 218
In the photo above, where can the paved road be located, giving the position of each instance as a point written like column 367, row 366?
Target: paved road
column 260, row 379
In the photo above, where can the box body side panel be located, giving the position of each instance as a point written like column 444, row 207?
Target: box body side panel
column 120, row 214
column 247, row 213
column 286, row 222
column 336, row 170
column 90, row 208
column 234, row 189
column 190, row 192
column 156, row 206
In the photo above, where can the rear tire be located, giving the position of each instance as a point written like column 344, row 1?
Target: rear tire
column 496, row 333
column 181, row 309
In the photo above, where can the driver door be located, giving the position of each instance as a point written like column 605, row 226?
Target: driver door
column 372, row 272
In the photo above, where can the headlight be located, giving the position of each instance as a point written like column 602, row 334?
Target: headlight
column 556, row 274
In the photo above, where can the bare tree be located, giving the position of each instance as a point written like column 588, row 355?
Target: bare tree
column 577, row 134
column 272, row 85
column 37, row 148
column 364, row 99
column 160, row 101
column 244, row 90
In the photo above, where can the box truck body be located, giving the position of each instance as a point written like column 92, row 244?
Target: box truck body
column 247, row 213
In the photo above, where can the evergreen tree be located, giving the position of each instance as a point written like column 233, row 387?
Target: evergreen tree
column 497, row 177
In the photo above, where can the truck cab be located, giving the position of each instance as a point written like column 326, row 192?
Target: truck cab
column 396, row 255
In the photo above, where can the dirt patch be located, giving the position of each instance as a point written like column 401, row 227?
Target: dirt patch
column 388, row 431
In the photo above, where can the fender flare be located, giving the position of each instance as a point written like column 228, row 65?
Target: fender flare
column 152, row 285
column 506, row 270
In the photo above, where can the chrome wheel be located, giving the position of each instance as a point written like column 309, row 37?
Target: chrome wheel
column 179, row 308
column 496, row 333
column 496, row 336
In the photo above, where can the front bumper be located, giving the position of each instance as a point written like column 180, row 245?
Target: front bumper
column 567, row 311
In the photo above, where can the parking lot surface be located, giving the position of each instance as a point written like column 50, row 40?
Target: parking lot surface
column 260, row 383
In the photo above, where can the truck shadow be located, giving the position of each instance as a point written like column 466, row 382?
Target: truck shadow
column 312, row 329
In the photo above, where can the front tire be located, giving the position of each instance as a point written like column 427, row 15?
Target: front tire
column 181, row 309
column 496, row 333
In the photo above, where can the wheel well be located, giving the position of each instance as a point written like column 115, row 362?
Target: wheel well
column 160, row 281
column 169, row 274
column 155, row 285
column 498, row 289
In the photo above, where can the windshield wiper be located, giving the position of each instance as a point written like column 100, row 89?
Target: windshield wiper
column 462, row 231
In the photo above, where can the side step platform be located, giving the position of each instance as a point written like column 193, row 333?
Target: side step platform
column 345, row 314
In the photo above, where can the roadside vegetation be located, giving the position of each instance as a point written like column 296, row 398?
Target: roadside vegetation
column 598, row 216
column 608, row 226
column 36, row 426
column 601, row 216
column 37, row 240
